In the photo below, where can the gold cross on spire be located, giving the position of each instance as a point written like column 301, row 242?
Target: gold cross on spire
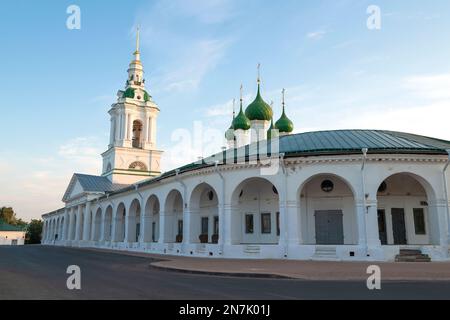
column 242, row 90
column 283, row 92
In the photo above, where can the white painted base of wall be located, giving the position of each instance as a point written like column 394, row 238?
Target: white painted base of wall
column 277, row 252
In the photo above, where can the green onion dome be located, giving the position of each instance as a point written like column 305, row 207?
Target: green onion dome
column 259, row 109
column 129, row 93
column 241, row 121
column 284, row 124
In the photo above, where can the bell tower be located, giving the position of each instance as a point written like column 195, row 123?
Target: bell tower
column 132, row 155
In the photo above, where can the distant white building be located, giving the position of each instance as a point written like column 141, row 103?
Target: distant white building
column 11, row 235
column 332, row 195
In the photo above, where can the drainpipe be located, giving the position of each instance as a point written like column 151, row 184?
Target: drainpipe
column 363, row 180
column 286, row 224
column 446, row 195
column 221, row 223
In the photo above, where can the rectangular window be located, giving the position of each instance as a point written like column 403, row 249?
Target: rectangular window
column 216, row 225
column 180, row 227
column 278, row 224
column 266, row 226
column 419, row 221
column 204, row 225
column 248, row 223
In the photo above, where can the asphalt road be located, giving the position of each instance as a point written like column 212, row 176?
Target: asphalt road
column 39, row 272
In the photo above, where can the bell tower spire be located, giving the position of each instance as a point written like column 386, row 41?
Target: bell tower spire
column 137, row 53
column 132, row 154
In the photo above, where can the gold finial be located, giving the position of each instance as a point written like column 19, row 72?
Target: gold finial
column 242, row 92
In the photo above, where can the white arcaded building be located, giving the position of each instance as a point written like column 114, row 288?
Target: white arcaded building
column 338, row 195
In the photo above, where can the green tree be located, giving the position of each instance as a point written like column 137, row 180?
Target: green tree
column 8, row 215
column 34, row 232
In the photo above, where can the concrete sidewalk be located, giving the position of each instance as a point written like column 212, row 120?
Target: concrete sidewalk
column 290, row 269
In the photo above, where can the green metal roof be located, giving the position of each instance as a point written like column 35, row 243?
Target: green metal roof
column 337, row 142
column 7, row 227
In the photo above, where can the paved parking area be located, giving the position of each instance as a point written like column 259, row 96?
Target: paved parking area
column 39, row 272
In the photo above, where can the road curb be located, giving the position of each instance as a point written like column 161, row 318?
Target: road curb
column 223, row 274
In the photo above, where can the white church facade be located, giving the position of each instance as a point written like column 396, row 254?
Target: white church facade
column 331, row 195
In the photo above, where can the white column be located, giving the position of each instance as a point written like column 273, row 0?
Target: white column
column 93, row 228
column 117, row 127
column 373, row 235
column 162, row 227
column 290, row 224
column 120, row 126
column 87, row 221
column 102, row 226
column 221, row 227
column 65, row 225
column 130, row 228
column 227, row 233
column 442, row 218
column 79, row 226
column 111, row 132
column 115, row 222
column 146, row 130
column 129, row 127
column 146, row 228
column 44, row 232
column 361, row 222
column 187, row 228
column 70, row 225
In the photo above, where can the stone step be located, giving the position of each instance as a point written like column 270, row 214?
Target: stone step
column 410, row 255
column 410, row 252
column 325, row 253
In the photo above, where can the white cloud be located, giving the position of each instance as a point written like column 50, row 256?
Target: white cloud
column 35, row 184
column 434, row 87
column 189, row 54
column 194, row 64
column 316, row 35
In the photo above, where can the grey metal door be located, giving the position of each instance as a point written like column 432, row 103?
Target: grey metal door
column 329, row 227
column 398, row 225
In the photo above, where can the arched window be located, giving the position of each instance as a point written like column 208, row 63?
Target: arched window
column 137, row 134
column 108, row 168
column 138, row 166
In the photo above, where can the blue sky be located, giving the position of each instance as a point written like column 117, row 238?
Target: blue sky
column 58, row 84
